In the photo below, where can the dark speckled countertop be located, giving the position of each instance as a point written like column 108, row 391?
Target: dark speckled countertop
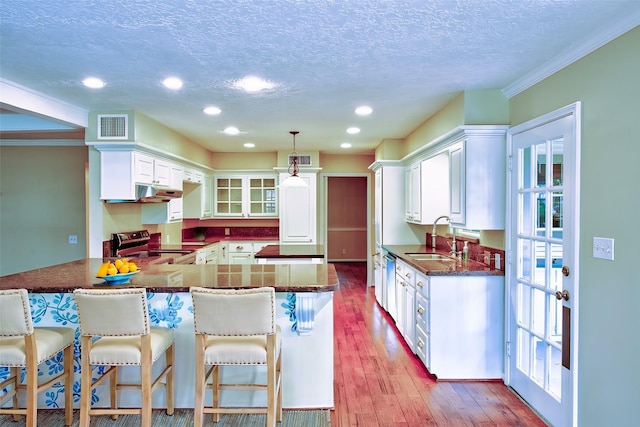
column 156, row 276
column 438, row 268
column 291, row 251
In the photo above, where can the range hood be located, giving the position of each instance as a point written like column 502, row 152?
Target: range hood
column 151, row 194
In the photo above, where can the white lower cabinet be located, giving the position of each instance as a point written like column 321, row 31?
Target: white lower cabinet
column 462, row 332
column 454, row 324
column 405, row 300
column 240, row 252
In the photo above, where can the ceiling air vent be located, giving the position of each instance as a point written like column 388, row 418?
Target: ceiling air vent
column 113, row 126
column 303, row 159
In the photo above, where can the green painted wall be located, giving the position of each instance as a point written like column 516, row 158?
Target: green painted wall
column 607, row 84
column 42, row 202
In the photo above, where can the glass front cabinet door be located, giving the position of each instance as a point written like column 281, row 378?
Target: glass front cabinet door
column 245, row 196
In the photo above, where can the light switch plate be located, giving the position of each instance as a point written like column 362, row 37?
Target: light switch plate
column 73, row 239
column 603, row 248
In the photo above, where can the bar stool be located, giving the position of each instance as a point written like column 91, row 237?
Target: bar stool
column 23, row 346
column 236, row 327
column 120, row 320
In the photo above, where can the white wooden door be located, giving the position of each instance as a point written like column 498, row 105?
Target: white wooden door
column 542, row 244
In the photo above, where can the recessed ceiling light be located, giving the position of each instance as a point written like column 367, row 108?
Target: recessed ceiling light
column 231, row 130
column 212, row 111
column 345, row 145
column 364, row 110
column 253, row 84
column 249, row 144
column 353, row 130
column 172, row 83
column 93, row 83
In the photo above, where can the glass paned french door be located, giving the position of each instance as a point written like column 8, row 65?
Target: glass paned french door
column 541, row 245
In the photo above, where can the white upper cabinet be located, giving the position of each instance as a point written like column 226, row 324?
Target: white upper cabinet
column 154, row 171
column 477, row 174
column 197, row 196
column 298, row 222
column 245, row 196
column 427, row 189
column 462, row 175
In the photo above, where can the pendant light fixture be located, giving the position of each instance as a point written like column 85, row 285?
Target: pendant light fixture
column 293, row 180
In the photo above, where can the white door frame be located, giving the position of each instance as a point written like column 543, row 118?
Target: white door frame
column 570, row 417
column 322, row 217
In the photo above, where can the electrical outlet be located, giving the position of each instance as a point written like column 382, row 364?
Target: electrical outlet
column 344, row 251
column 227, row 231
column 73, row 239
column 167, row 238
column 603, row 248
column 486, row 257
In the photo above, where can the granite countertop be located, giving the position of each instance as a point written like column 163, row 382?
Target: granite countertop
column 291, row 251
column 439, row 268
column 156, row 276
column 212, row 240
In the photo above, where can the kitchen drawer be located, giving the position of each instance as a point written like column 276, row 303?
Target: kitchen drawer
column 422, row 347
column 240, row 247
column 422, row 312
column 422, row 285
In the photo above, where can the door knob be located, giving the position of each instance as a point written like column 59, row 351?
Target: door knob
column 562, row 295
column 565, row 270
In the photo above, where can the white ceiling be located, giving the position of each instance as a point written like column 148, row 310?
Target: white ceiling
column 404, row 58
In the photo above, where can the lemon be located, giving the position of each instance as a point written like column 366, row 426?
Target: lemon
column 123, row 269
column 102, row 271
column 133, row 267
column 118, row 263
column 112, row 271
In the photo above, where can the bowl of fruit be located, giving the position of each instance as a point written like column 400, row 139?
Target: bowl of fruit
column 118, row 271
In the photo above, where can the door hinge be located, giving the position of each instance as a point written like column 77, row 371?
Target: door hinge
column 508, row 348
column 509, row 163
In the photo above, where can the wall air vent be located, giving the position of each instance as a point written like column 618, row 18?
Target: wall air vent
column 113, row 126
column 303, row 159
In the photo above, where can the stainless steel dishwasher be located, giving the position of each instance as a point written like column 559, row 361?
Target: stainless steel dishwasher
column 389, row 290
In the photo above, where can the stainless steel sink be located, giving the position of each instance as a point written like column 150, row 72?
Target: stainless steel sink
column 430, row 257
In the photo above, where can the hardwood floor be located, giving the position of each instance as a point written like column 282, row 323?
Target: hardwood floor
column 379, row 382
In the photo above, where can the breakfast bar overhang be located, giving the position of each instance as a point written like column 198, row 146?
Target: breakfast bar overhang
column 304, row 305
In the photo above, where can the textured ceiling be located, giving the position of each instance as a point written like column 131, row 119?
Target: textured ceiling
column 405, row 58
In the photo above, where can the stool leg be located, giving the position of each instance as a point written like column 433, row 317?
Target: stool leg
column 279, row 385
column 15, row 374
column 216, row 390
column 113, row 389
column 86, row 385
column 198, row 407
column 32, row 381
column 68, row 385
column 146, row 380
column 169, row 361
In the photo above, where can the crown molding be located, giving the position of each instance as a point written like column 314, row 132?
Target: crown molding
column 572, row 55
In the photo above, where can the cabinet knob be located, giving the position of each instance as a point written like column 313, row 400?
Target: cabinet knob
column 420, row 344
column 419, row 284
column 420, row 310
column 408, row 275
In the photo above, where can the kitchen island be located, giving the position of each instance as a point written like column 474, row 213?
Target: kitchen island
column 307, row 335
